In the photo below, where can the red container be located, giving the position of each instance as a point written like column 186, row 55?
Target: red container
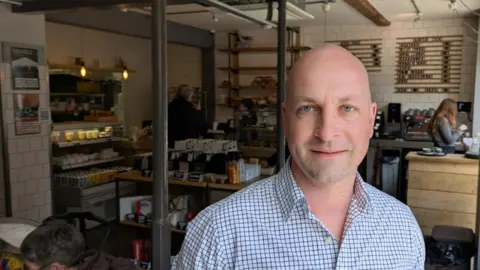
column 147, row 246
column 138, row 250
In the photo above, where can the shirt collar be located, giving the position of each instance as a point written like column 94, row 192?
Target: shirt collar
column 289, row 193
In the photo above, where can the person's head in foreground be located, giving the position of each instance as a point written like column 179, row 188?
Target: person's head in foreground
column 317, row 212
column 328, row 116
column 54, row 246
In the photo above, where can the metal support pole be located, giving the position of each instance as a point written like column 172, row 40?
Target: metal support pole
column 281, row 70
column 477, row 226
column 160, row 227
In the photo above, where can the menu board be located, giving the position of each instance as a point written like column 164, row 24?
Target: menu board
column 428, row 64
column 369, row 51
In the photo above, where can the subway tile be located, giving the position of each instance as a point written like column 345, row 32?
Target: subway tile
column 14, row 174
column 48, row 197
column 18, row 189
column 42, row 156
column 25, row 202
column 7, row 68
column 44, row 184
column 23, row 145
column 33, row 214
column 35, row 143
column 37, row 172
column 39, row 199
column 11, row 131
column 46, row 142
column 16, row 160
column 24, row 174
column 31, row 186
column 29, row 159
column 20, row 214
column 15, row 204
column 12, row 146
column 45, row 211
column 8, row 116
column 47, row 170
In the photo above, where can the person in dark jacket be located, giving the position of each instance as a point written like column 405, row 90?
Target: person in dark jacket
column 59, row 246
column 272, row 160
column 185, row 121
column 248, row 117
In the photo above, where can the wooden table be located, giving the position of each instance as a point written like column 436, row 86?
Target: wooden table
column 442, row 190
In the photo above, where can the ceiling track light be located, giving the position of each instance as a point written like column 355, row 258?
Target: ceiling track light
column 326, row 7
column 452, row 5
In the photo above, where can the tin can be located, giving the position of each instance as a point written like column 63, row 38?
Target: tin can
column 137, row 250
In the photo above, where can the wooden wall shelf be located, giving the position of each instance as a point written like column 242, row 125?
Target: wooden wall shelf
column 427, row 90
column 273, row 68
column 415, row 63
column 98, row 69
column 264, row 49
column 368, row 51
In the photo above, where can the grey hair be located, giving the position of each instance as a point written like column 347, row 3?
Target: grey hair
column 185, row 91
column 55, row 242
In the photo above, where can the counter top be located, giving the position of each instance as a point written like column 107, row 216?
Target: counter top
column 137, row 176
column 450, row 158
column 386, row 143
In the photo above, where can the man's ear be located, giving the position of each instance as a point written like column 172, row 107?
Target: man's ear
column 373, row 107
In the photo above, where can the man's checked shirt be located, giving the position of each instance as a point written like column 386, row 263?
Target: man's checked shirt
column 268, row 225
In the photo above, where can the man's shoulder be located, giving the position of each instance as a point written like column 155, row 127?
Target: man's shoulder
column 388, row 207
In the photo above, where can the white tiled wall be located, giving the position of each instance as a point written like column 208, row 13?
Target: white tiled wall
column 381, row 83
column 476, row 107
column 28, row 156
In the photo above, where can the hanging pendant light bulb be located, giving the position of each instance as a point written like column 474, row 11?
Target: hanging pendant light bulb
column 83, row 70
column 125, row 73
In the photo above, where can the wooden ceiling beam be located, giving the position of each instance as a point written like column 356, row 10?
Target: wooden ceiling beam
column 369, row 11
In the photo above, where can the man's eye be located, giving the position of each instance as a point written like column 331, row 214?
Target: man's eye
column 347, row 108
column 306, row 108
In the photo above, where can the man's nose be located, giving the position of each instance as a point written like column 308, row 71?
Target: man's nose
column 326, row 128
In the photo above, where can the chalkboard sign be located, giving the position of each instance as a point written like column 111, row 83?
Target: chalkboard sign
column 368, row 51
column 429, row 63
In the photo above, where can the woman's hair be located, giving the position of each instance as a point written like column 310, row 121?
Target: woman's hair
column 447, row 109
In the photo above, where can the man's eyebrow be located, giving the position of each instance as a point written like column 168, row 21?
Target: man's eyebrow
column 343, row 99
column 304, row 99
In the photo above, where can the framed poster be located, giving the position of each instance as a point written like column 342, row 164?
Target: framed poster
column 25, row 62
column 26, row 109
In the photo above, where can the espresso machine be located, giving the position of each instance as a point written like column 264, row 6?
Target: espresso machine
column 393, row 127
column 379, row 126
column 464, row 115
column 415, row 122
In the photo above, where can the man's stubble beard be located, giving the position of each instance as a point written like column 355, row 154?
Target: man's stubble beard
column 322, row 171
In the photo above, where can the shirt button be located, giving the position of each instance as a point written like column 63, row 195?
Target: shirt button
column 328, row 240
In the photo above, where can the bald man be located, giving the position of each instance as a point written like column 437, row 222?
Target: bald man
column 317, row 212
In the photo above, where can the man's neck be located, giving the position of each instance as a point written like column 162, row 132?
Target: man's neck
column 326, row 196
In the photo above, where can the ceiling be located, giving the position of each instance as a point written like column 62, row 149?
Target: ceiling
column 339, row 14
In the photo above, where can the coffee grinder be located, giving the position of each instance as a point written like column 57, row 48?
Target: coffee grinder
column 393, row 128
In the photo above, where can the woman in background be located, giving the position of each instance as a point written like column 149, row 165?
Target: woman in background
column 442, row 126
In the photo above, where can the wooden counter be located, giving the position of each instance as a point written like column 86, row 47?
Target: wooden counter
column 442, row 190
column 137, row 176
